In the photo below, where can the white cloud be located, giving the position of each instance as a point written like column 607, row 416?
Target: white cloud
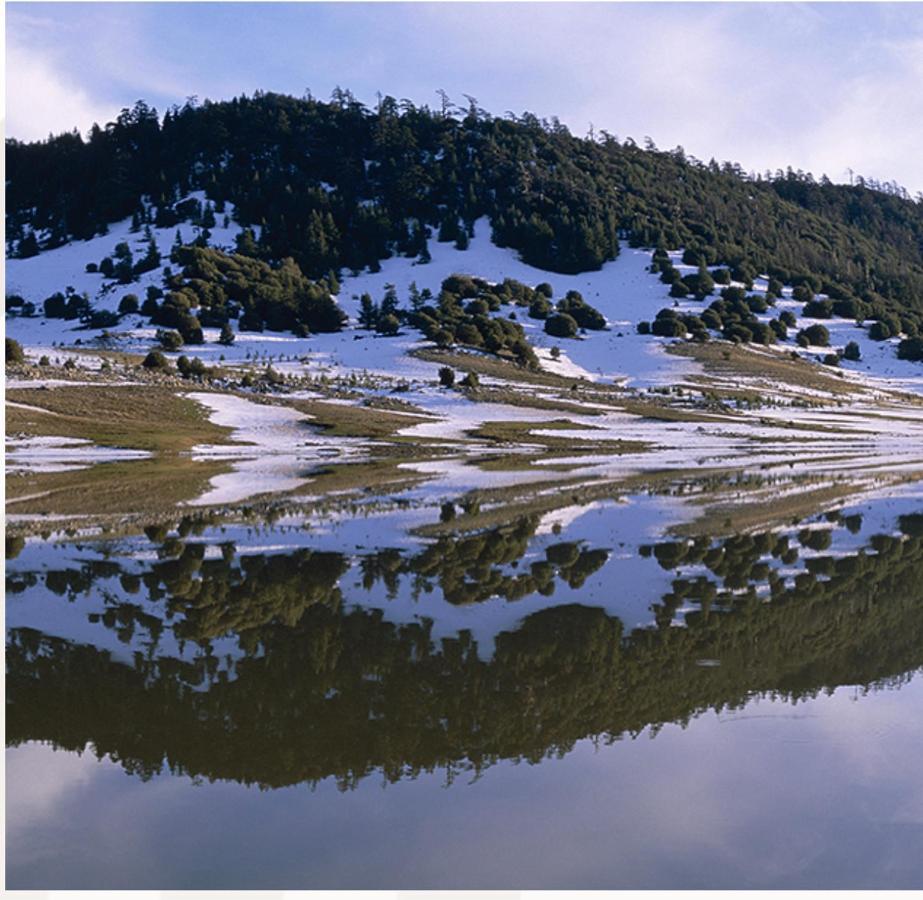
column 40, row 101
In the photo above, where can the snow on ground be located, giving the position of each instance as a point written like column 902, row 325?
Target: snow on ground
column 60, row 454
column 623, row 290
column 40, row 276
column 275, row 449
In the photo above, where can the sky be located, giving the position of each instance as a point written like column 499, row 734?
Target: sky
column 823, row 87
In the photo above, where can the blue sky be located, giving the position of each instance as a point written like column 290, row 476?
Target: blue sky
column 824, row 87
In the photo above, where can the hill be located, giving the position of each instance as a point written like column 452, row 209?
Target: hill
column 337, row 185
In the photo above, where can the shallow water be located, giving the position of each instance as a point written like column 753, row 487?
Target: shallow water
column 600, row 696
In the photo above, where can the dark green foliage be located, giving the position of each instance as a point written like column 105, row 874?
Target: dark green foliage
column 368, row 312
column 192, row 368
column 388, row 324
column 561, row 325
column 802, row 293
column 128, row 305
column 779, row 329
column 815, row 335
column 169, row 339
column 28, row 246
column 123, row 264
column 737, row 333
column 668, row 325
column 540, row 308
column 581, row 312
column 155, row 360
column 279, row 298
column 911, row 348
column 13, row 351
column 102, row 318
column 451, row 320
column 563, row 202
column 818, row 309
column 852, row 352
column 881, row 331
column 446, row 376
column 700, row 283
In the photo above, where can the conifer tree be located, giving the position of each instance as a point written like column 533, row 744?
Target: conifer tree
column 368, row 312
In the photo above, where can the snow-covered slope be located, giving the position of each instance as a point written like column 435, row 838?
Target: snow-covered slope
column 623, row 290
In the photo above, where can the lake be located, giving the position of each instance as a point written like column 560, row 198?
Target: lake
column 623, row 691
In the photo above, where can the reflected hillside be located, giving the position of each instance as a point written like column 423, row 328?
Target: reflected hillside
column 287, row 682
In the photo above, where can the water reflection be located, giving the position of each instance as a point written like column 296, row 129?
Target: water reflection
column 199, row 654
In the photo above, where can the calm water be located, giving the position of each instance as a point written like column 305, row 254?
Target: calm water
column 583, row 699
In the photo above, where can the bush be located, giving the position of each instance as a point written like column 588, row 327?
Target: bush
column 779, row 328
column 668, row 326
column 155, row 360
column 561, row 325
column 471, row 381
column 738, row 334
column 852, row 352
column 818, row 309
column 644, row 327
column 226, row 338
column 831, row 359
column 14, row 352
column 802, row 293
column 815, row 335
column 540, row 308
column 446, row 376
column 169, row 339
column 55, row 306
column 129, row 304
column 911, row 349
column 880, row 331
column 191, row 368
column 581, row 312
column 103, row 318
column 388, row 325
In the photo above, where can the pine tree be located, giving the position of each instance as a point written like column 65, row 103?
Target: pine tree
column 177, row 246
column 28, row 246
column 226, row 338
column 416, row 299
column 124, row 263
column 368, row 312
column 246, row 243
column 333, row 283
column 390, row 302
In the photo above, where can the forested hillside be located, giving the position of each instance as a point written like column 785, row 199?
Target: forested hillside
column 336, row 185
